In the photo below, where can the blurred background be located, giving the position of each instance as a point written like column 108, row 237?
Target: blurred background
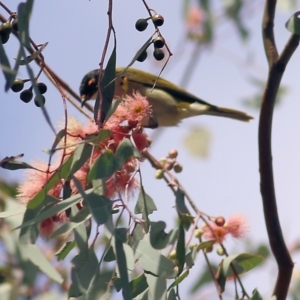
column 219, row 156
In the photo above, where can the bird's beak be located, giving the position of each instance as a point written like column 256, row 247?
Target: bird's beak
column 84, row 98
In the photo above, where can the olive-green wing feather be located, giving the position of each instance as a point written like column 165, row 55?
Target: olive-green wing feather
column 165, row 85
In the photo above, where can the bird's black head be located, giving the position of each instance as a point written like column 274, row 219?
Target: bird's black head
column 89, row 85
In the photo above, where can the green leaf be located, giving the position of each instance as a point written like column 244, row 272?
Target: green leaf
column 180, row 249
column 122, row 265
column 62, row 254
column 100, row 286
column 179, row 279
column 80, row 235
column 11, row 213
column 81, row 154
column 136, row 235
column 138, row 285
column 244, row 260
column 107, row 87
column 5, row 65
column 103, row 167
column 59, row 136
column 109, row 255
column 15, row 165
column 191, row 257
column 180, row 204
column 183, row 212
column 293, row 24
column 12, row 74
column 69, row 226
column 125, row 151
column 83, row 272
column 35, row 255
column 242, row 263
column 113, row 107
column 24, row 14
column 145, row 204
column 33, row 56
column 206, row 244
column 157, row 287
column 159, row 239
column 137, row 55
column 101, row 136
column 152, row 261
column 100, row 207
column 172, row 295
column 256, row 295
column 53, row 210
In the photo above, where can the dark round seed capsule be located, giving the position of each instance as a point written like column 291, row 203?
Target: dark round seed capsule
column 39, row 103
column 17, row 85
column 142, row 56
column 158, row 20
column 42, row 87
column 14, row 25
column 4, row 38
column 5, row 31
column 159, row 42
column 5, row 28
column 141, row 24
column 158, row 54
column 26, row 95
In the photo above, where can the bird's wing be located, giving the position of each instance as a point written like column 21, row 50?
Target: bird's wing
column 174, row 90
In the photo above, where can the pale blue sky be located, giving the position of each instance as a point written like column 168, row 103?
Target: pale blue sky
column 225, row 183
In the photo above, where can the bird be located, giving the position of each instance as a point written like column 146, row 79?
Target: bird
column 170, row 103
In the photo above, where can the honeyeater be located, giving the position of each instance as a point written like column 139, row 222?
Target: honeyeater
column 170, row 103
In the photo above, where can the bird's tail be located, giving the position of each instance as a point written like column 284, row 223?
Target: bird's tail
column 228, row 113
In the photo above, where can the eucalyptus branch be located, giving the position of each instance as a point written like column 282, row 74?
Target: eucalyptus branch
column 268, row 32
column 277, row 66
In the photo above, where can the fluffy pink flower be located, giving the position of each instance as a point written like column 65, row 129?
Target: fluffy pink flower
column 216, row 232
column 34, row 181
column 134, row 109
column 236, row 226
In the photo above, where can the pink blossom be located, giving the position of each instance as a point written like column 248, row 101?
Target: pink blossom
column 134, row 109
column 215, row 232
column 237, row 226
column 35, row 180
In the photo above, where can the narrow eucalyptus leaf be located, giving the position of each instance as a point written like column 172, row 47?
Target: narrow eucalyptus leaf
column 159, row 238
column 24, row 14
column 100, row 207
column 293, row 24
column 103, row 167
column 36, row 256
column 62, row 254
